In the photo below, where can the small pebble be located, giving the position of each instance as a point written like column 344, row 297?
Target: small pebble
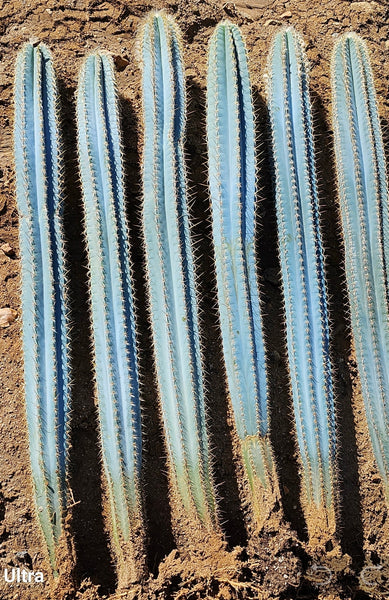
column 24, row 557
column 364, row 6
column 7, row 249
column 7, row 316
column 286, row 15
column 120, row 62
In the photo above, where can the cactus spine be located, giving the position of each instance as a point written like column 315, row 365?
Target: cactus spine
column 363, row 192
column 114, row 342
column 39, row 191
column 304, row 287
column 232, row 173
column 169, row 262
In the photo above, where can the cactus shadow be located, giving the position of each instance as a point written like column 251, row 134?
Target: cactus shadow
column 281, row 409
column 350, row 514
column 225, row 477
column 385, row 138
column 160, row 540
column 94, row 560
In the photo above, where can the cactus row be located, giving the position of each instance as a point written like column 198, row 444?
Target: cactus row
column 39, row 192
column 303, row 279
column 171, row 275
column 232, row 179
column 363, row 192
column 170, row 269
column 113, row 323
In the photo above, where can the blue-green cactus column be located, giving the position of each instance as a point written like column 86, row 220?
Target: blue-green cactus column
column 363, row 194
column 232, row 178
column 170, row 271
column 113, row 322
column 303, row 279
column 39, row 195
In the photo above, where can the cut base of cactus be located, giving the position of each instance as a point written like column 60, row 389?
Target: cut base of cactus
column 129, row 555
column 130, row 566
column 189, row 532
column 65, row 577
column 321, row 525
column 261, row 477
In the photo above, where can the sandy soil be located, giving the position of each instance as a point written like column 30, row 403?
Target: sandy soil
column 278, row 564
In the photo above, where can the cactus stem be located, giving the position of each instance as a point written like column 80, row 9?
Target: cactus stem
column 232, row 174
column 170, row 270
column 303, row 278
column 111, row 300
column 39, row 193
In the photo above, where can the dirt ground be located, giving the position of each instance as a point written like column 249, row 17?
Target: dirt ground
column 278, row 564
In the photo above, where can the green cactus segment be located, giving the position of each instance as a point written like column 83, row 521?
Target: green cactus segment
column 169, row 262
column 39, row 193
column 258, row 462
column 302, row 266
column 232, row 173
column 113, row 325
column 363, row 194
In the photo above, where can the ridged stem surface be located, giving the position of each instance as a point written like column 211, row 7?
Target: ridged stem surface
column 302, row 266
column 113, row 323
column 363, row 192
column 170, row 269
column 39, row 191
column 232, row 177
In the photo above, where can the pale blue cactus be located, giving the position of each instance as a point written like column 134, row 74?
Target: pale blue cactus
column 232, row 179
column 170, row 270
column 39, row 194
column 303, row 279
column 363, row 193
column 113, row 322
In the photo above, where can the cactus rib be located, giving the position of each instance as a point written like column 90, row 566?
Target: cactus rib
column 170, row 269
column 302, row 266
column 363, row 192
column 113, row 324
column 232, row 177
column 39, row 193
